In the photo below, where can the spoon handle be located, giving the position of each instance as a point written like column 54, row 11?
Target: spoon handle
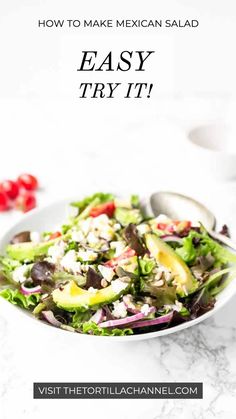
column 223, row 239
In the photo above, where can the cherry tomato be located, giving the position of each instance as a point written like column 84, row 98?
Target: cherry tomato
column 28, row 182
column 108, row 208
column 4, row 202
column 170, row 228
column 183, row 226
column 10, row 187
column 25, row 202
column 175, row 226
column 125, row 255
column 162, row 226
column 55, row 235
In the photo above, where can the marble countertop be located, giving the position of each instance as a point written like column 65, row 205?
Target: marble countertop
column 85, row 159
column 205, row 353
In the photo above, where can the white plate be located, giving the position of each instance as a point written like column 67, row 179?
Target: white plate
column 55, row 214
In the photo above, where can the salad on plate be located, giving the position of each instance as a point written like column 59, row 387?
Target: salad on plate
column 112, row 271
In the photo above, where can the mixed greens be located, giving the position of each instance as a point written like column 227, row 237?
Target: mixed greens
column 112, row 271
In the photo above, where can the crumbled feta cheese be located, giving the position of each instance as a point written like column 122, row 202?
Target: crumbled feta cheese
column 118, row 285
column 35, row 236
column 178, row 305
column 92, row 290
column 143, row 228
column 85, row 225
column 117, row 226
column 97, row 227
column 119, row 310
column 56, row 252
column 77, row 236
column 106, row 272
column 145, row 309
column 87, row 255
column 100, row 221
column 106, row 233
column 92, row 239
column 19, row 274
column 119, row 247
column 69, row 262
column 104, row 247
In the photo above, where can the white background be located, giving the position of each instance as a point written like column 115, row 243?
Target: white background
column 76, row 146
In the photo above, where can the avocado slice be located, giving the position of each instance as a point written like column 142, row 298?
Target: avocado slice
column 166, row 256
column 72, row 297
column 28, row 250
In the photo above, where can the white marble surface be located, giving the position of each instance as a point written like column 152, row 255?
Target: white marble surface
column 78, row 165
column 204, row 353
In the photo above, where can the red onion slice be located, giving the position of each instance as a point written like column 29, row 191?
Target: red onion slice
column 28, row 291
column 98, row 317
column 49, row 316
column 127, row 320
column 129, row 306
column 153, row 322
column 108, row 314
column 171, row 238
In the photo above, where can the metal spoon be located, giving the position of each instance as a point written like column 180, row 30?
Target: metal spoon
column 177, row 206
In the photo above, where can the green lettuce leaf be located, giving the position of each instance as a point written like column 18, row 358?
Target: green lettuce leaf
column 126, row 216
column 8, row 263
column 7, row 266
column 16, row 297
column 223, row 284
column 146, row 266
column 100, row 198
column 187, row 251
column 94, row 329
column 206, row 245
column 184, row 312
column 218, row 281
column 79, row 318
column 134, row 200
column 163, row 295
